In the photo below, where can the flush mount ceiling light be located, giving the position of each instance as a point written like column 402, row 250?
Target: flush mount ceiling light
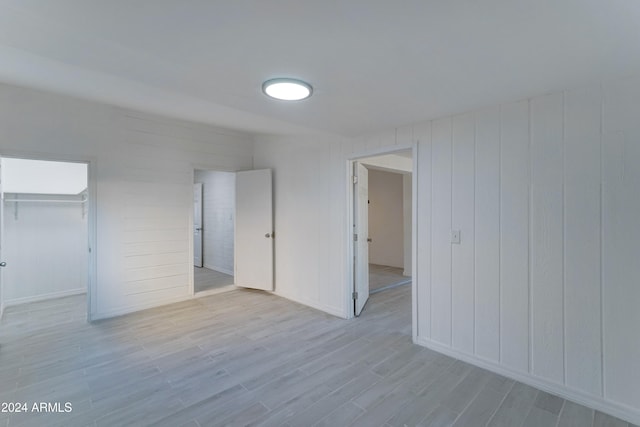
column 287, row 89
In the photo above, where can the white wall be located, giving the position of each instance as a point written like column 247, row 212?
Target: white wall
column 543, row 284
column 309, row 203
column 218, row 213
column 45, row 247
column 386, row 228
column 546, row 193
column 143, row 170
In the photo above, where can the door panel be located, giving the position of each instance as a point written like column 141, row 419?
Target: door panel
column 361, row 245
column 197, row 224
column 254, row 230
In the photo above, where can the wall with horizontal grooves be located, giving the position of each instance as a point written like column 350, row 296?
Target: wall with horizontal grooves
column 143, row 170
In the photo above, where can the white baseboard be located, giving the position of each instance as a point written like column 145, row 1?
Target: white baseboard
column 44, row 297
column 102, row 315
column 615, row 409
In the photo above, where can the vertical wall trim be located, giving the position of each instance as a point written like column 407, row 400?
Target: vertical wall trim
column 452, row 225
column 475, row 228
column 564, row 237
column 415, row 231
column 602, row 329
column 500, row 234
column 431, row 232
column 430, row 228
column 530, row 231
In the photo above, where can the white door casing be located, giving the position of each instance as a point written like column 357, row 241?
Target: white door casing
column 254, row 230
column 197, row 224
column 2, row 263
column 361, row 236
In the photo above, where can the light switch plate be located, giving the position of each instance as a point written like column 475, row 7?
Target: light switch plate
column 455, row 236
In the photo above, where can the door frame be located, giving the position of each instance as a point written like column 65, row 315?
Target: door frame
column 201, row 191
column 350, row 247
column 192, row 281
column 91, row 214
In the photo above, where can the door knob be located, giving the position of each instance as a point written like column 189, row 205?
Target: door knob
column 267, row 235
column 3, row 264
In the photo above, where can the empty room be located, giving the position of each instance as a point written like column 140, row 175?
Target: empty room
column 311, row 213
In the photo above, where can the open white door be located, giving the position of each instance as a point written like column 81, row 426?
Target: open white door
column 254, row 230
column 361, row 237
column 197, row 224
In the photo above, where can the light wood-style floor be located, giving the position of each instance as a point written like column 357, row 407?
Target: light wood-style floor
column 251, row 358
column 383, row 277
column 205, row 279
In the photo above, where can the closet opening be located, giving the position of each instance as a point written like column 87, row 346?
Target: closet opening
column 44, row 236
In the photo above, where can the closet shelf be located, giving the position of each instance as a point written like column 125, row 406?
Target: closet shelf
column 45, row 200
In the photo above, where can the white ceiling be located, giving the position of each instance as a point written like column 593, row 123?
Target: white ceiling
column 374, row 64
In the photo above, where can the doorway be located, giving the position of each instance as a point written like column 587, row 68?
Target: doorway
column 381, row 214
column 213, row 230
column 45, row 225
column 389, row 228
column 233, row 235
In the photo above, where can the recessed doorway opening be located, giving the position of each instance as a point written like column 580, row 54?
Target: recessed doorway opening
column 233, row 235
column 381, row 214
column 45, row 229
column 213, row 230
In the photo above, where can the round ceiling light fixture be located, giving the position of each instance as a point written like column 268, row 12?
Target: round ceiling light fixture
column 287, row 89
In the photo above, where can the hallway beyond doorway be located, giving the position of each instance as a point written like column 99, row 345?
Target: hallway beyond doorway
column 206, row 279
column 383, row 277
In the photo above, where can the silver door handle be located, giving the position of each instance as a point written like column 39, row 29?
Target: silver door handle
column 3, row 264
column 198, row 229
column 267, row 235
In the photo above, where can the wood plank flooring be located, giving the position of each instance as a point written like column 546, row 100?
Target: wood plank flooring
column 247, row 358
column 382, row 277
column 206, row 279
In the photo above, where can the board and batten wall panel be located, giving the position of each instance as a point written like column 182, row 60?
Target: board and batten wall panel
column 582, row 239
column 441, row 162
column 463, row 218
column 487, row 234
column 143, row 169
column 557, row 197
column 621, row 234
column 547, row 243
column 514, row 236
column 424, row 195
